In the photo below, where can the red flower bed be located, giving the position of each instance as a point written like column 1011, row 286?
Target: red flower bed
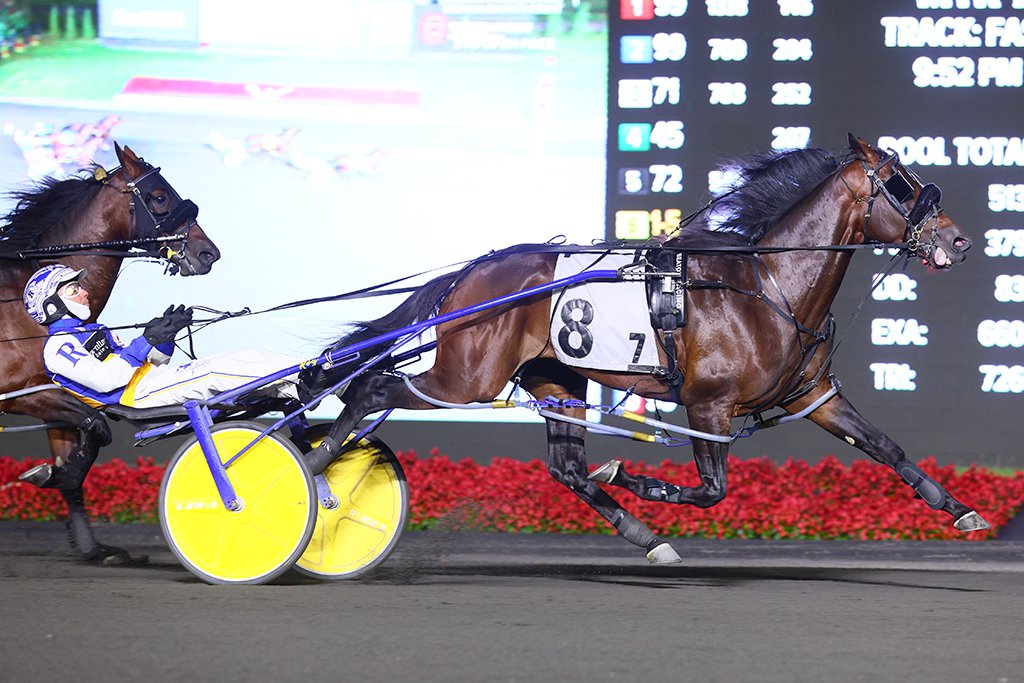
column 828, row 500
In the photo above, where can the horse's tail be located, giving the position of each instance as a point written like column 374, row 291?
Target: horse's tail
column 420, row 305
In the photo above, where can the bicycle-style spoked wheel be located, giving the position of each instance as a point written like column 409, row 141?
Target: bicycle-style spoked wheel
column 362, row 530
column 256, row 543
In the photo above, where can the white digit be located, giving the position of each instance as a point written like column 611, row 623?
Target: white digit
column 634, row 180
column 666, row 178
column 1005, row 197
column 796, row 8
column 666, row 89
column 798, row 94
column 669, row 47
column 727, row 93
column 791, row 137
column 990, row 373
column 668, row 134
column 670, row 8
column 792, row 49
column 727, row 49
column 726, row 8
column 1009, row 288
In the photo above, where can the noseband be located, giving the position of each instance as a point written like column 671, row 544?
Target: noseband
column 897, row 189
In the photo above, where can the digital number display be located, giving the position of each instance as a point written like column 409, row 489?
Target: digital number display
column 694, row 85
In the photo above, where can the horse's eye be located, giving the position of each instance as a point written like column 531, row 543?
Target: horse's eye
column 158, row 202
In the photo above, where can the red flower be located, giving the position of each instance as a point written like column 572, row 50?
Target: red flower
column 827, row 500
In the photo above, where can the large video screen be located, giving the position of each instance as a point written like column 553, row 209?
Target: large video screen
column 934, row 357
column 342, row 144
column 331, row 146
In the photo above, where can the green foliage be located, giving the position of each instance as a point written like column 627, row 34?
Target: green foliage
column 553, row 25
column 88, row 25
column 581, row 20
column 54, row 22
column 70, row 26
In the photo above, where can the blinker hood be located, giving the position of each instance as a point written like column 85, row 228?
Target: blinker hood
column 929, row 198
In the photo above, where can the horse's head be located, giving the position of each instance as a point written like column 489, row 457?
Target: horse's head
column 910, row 212
column 161, row 219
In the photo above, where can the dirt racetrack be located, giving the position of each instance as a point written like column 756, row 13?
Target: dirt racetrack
column 515, row 607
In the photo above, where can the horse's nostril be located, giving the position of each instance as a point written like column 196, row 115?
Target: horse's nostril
column 962, row 243
column 207, row 257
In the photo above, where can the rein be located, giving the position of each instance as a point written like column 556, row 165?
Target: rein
column 87, row 247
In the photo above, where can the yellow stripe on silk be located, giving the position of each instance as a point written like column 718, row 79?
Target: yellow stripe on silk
column 128, row 395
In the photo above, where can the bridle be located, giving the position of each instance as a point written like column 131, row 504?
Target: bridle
column 149, row 231
column 897, row 189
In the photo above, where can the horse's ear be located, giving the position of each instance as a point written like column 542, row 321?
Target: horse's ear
column 863, row 150
column 119, row 153
column 129, row 161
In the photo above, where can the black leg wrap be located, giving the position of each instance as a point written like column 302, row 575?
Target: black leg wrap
column 81, row 538
column 323, row 455
column 660, row 491
column 931, row 491
column 79, row 529
column 72, row 473
column 635, row 532
column 98, row 429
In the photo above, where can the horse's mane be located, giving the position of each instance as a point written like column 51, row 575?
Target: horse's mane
column 50, row 206
column 769, row 186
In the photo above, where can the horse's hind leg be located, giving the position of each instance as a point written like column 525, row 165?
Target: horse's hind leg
column 363, row 397
column 567, row 464
column 840, row 418
column 710, row 457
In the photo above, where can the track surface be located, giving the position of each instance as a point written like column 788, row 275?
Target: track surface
column 506, row 607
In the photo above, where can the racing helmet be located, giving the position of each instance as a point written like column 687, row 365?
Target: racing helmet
column 41, row 299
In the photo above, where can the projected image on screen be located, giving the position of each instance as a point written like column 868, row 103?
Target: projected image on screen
column 329, row 146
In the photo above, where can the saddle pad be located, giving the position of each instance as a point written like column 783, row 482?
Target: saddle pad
column 602, row 325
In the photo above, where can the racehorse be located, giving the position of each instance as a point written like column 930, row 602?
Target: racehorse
column 758, row 334
column 91, row 223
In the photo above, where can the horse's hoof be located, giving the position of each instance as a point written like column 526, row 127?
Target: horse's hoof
column 606, row 473
column 38, row 475
column 111, row 556
column 972, row 521
column 664, row 554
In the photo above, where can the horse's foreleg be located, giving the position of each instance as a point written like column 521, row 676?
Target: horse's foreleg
column 710, row 457
column 68, row 447
column 840, row 418
column 74, row 452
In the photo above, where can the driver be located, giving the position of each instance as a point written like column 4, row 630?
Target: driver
column 91, row 362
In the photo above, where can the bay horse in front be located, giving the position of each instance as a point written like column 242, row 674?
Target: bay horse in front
column 760, row 269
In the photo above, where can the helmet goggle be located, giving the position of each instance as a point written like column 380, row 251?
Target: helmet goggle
column 46, row 291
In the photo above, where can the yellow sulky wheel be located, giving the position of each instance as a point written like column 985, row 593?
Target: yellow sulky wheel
column 362, row 530
column 260, row 541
